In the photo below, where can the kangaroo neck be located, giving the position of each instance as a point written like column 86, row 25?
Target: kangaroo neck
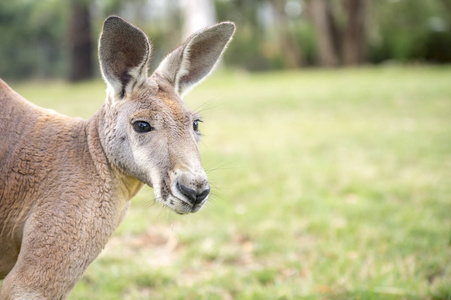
column 112, row 176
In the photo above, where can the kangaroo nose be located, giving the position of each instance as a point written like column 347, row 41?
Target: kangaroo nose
column 193, row 196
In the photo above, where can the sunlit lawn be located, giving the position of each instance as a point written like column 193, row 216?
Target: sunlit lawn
column 327, row 185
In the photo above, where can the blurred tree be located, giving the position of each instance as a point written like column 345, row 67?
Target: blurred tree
column 79, row 41
column 31, row 44
column 290, row 50
column 447, row 5
column 341, row 31
column 250, row 48
column 411, row 31
column 328, row 48
column 355, row 33
column 44, row 38
column 197, row 14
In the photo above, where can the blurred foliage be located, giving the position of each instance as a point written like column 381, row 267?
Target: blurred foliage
column 401, row 30
column 412, row 30
column 32, row 38
column 34, row 42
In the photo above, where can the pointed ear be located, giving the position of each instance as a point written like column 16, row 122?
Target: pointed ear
column 124, row 52
column 190, row 63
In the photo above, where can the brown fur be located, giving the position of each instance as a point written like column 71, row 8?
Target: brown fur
column 65, row 182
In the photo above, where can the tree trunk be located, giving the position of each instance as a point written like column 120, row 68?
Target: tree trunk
column 326, row 33
column 197, row 14
column 292, row 54
column 446, row 5
column 80, row 44
column 355, row 36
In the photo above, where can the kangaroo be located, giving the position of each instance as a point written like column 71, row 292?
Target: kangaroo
column 65, row 183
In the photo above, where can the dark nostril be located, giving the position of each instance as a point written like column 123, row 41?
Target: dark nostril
column 189, row 193
column 203, row 195
column 192, row 194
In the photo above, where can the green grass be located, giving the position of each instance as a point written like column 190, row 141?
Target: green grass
column 327, row 185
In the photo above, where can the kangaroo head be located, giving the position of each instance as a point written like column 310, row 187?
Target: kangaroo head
column 148, row 131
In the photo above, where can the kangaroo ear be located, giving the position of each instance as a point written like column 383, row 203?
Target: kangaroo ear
column 190, row 63
column 124, row 51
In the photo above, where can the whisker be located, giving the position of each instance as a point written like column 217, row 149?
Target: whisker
column 167, row 214
column 216, row 164
column 214, row 186
column 208, row 171
column 208, row 105
column 220, row 166
column 214, row 198
column 214, row 194
column 203, row 104
column 149, row 204
column 162, row 207
column 211, row 202
column 203, row 143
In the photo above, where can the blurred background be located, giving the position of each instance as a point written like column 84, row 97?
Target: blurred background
column 58, row 39
column 326, row 139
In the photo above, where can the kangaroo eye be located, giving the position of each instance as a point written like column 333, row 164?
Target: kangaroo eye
column 142, row 127
column 196, row 125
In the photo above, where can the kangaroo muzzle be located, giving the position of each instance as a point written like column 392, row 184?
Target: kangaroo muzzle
column 191, row 188
column 194, row 187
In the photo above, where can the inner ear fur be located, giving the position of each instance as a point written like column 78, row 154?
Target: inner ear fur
column 124, row 52
column 189, row 64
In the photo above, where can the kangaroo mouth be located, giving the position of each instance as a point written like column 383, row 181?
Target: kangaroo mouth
column 176, row 203
column 181, row 206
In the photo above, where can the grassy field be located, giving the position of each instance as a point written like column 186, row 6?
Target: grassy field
column 327, row 185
